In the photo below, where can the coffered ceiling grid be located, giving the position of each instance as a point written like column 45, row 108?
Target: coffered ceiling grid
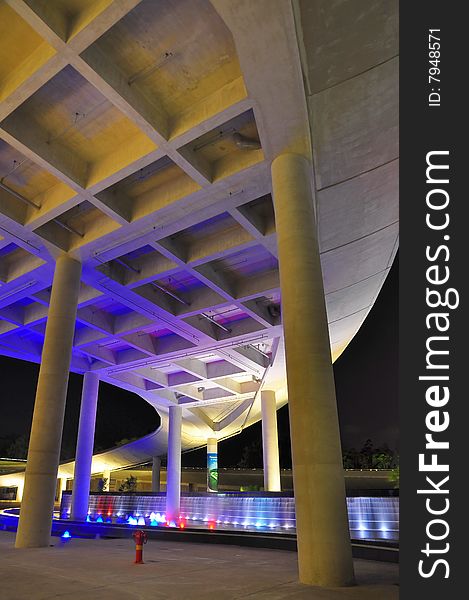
column 51, row 194
column 150, row 163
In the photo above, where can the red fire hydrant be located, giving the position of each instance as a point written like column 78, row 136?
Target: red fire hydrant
column 140, row 538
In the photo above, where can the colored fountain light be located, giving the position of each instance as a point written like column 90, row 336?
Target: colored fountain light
column 66, row 535
column 369, row 518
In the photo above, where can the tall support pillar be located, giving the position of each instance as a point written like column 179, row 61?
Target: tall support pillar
column 324, row 549
column 270, row 442
column 85, row 440
column 19, row 490
column 61, row 487
column 173, row 473
column 46, row 432
column 155, row 474
column 212, row 465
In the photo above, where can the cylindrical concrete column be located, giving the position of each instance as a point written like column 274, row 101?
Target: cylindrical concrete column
column 155, row 474
column 46, row 432
column 324, row 550
column 85, row 440
column 173, row 474
column 62, row 486
column 212, row 465
column 19, row 490
column 270, row 442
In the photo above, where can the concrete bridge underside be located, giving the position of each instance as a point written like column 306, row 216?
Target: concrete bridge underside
column 192, row 158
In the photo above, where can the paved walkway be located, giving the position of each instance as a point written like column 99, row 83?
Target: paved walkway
column 101, row 569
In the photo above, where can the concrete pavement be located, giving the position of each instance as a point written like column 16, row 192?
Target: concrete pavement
column 102, row 569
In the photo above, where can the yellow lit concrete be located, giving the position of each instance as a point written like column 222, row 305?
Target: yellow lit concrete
column 135, row 197
column 324, row 551
column 19, row 491
column 21, row 175
column 217, row 153
column 64, row 115
column 46, row 432
column 16, row 263
column 62, row 486
column 22, row 50
column 89, row 223
column 270, row 442
column 154, row 48
column 69, row 17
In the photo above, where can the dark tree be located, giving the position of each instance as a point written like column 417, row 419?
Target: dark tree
column 19, row 448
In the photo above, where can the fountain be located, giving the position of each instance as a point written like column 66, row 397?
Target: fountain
column 375, row 518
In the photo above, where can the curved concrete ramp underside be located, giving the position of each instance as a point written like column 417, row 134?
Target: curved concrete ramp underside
column 150, row 163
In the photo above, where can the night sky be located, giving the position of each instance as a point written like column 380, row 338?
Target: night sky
column 366, row 381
